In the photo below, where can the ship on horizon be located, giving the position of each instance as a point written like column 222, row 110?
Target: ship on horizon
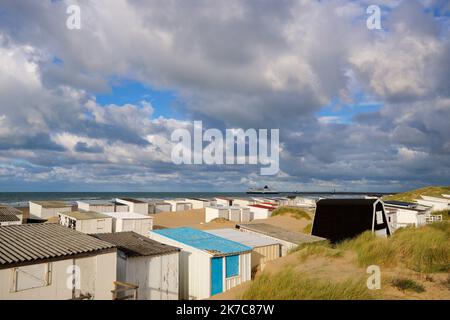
column 265, row 190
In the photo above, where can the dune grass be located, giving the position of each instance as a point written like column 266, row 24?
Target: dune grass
column 307, row 229
column 291, row 285
column 425, row 249
column 295, row 212
column 371, row 249
column 408, row 285
column 434, row 191
column 321, row 248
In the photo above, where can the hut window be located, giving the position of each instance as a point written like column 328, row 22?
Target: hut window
column 379, row 215
column 232, row 266
column 33, row 276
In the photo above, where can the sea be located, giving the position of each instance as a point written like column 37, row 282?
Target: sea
column 20, row 199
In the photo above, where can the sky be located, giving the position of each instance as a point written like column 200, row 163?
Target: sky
column 93, row 109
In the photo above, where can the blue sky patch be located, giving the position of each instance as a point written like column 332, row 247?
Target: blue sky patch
column 133, row 92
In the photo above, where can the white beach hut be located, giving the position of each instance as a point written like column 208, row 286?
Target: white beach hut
column 151, row 265
column 96, row 205
column 261, row 211
column 198, row 203
column 208, row 264
column 179, row 205
column 44, row 253
column 134, row 205
column 216, row 212
column 436, row 203
column 157, row 206
column 48, row 209
column 88, row 222
column 130, row 221
column 223, row 201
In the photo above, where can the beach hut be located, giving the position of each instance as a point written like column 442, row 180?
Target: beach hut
column 198, row 203
column 48, row 209
column 264, row 249
column 234, row 213
column 403, row 214
column 134, row 205
column 216, row 212
column 280, row 201
column 340, row 219
column 436, row 203
column 146, row 263
column 10, row 216
column 286, row 238
column 39, row 261
column 179, row 205
column 224, row 201
column 239, row 214
column 208, row 264
column 304, row 202
column 261, row 211
column 88, row 222
column 243, row 202
column 130, row 221
column 162, row 206
column 120, row 207
column 96, row 205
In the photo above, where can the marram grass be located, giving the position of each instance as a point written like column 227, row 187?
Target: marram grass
column 425, row 249
column 291, row 285
column 295, row 212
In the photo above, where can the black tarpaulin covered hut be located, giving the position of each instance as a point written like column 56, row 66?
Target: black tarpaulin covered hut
column 340, row 219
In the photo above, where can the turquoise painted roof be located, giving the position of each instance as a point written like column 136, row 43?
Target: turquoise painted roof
column 203, row 240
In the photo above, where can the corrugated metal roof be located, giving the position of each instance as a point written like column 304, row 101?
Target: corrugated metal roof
column 248, row 239
column 9, row 214
column 135, row 245
column 31, row 243
column 85, row 215
column 204, row 241
column 279, row 233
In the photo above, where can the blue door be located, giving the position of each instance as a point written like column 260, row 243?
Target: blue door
column 216, row 275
